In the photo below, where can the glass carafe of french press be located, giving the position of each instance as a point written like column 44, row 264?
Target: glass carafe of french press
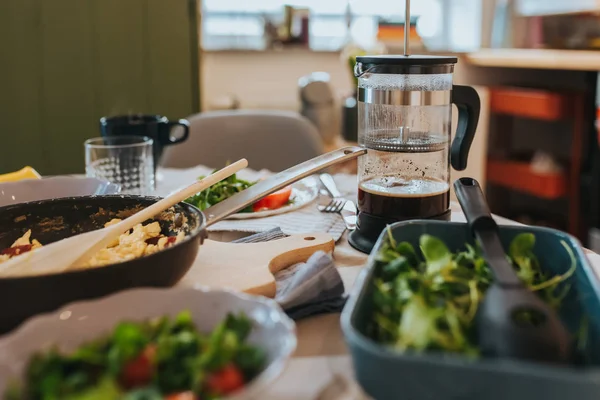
column 404, row 122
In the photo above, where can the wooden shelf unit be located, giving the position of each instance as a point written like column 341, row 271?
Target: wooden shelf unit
column 544, row 105
column 519, row 176
column 530, row 103
column 563, row 60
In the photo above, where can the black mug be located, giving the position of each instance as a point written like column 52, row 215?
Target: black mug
column 156, row 127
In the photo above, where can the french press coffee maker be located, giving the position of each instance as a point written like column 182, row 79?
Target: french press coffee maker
column 404, row 122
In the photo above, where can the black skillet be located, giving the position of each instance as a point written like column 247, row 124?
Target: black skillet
column 52, row 220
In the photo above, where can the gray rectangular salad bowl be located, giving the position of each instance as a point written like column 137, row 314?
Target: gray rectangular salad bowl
column 385, row 373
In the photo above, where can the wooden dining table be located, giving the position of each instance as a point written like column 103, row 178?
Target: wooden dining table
column 321, row 367
column 321, row 364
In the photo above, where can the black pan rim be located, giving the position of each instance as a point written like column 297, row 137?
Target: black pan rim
column 200, row 230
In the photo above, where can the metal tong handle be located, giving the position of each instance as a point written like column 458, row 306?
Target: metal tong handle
column 278, row 181
column 485, row 229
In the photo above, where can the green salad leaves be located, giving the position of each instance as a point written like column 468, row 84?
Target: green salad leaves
column 158, row 359
column 231, row 186
column 219, row 192
column 430, row 302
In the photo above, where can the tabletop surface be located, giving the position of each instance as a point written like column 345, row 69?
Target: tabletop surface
column 321, row 359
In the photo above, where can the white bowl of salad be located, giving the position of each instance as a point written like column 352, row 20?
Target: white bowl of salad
column 150, row 344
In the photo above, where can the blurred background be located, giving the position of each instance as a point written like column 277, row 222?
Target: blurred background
column 244, row 55
column 66, row 63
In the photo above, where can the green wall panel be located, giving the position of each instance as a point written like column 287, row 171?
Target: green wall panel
column 67, row 82
column 66, row 63
column 120, row 56
column 169, row 56
column 20, row 84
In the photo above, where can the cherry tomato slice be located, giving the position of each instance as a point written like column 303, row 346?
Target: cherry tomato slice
column 225, row 381
column 139, row 371
column 274, row 200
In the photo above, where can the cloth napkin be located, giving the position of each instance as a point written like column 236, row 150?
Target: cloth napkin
column 305, row 289
column 300, row 221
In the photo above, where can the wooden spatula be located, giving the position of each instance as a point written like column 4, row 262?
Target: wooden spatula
column 76, row 250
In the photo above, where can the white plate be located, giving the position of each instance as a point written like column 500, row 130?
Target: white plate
column 84, row 321
column 304, row 192
column 53, row 187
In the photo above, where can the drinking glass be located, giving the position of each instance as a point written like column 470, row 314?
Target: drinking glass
column 124, row 160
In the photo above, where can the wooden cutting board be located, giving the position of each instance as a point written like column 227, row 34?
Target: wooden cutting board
column 249, row 267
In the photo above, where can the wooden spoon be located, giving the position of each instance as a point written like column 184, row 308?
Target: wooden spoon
column 74, row 251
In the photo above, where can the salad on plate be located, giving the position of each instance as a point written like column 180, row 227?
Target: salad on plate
column 284, row 200
column 233, row 185
column 157, row 359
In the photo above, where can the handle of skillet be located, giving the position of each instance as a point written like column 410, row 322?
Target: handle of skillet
column 278, row 181
column 473, row 204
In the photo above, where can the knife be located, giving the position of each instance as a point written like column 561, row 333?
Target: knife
column 349, row 211
column 349, row 214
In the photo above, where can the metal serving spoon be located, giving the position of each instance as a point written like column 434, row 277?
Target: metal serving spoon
column 512, row 321
column 73, row 251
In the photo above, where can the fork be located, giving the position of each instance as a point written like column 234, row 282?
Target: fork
column 337, row 201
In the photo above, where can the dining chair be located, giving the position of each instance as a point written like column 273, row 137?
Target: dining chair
column 269, row 139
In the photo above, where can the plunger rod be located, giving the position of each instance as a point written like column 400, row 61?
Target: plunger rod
column 406, row 27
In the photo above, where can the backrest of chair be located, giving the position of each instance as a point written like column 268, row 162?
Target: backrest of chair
column 274, row 140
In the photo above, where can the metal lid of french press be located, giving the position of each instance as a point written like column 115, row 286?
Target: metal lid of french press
column 404, row 64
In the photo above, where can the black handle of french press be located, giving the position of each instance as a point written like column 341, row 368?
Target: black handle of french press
column 468, row 104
